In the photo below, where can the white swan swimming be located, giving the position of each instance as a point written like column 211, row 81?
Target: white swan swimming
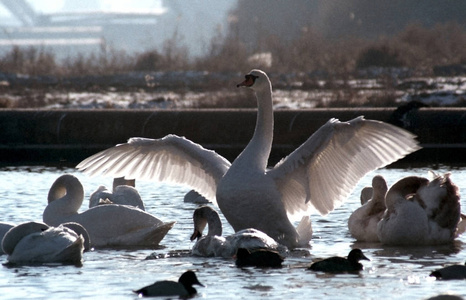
column 4, row 227
column 111, row 225
column 37, row 243
column 421, row 212
column 214, row 244
column 122, row 194
column 319, row 175
column 362, row 223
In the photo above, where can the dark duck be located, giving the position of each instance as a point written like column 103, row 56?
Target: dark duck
column 338, row 264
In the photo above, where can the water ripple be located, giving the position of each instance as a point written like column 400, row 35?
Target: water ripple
column 392, row 272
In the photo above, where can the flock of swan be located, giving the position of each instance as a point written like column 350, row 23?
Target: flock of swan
column 260, row 203
column 414, row 211
column 317, row 176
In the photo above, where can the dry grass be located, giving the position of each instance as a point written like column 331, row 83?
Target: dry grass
column 307, row 59
column 417, row 48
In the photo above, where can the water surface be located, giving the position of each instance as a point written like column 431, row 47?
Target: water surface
column 392, row 273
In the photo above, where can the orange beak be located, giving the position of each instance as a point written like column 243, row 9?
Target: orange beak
column 249, row 81
column 195, row 235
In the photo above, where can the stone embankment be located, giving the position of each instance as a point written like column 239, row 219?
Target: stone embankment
column 65, row 137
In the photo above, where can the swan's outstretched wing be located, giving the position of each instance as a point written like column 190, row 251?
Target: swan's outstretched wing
column 323, row 171
column 170, row 159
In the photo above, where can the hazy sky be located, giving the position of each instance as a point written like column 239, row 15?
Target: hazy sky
column 194, row 21
column 50, row 6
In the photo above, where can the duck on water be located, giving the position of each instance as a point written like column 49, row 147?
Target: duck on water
column 183, row 288
column 338, row 264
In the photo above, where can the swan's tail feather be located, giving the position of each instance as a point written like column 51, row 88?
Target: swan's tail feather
column 73, row 253
column 304, row 230
column 157, row 235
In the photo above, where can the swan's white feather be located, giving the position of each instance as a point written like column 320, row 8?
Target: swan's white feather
column 34, row 242
column 363, row 221
column 214, row 244
column 319, row 174
column 420, row 212
column 122, row 194
column 325, row 169
column 170, row 159
column 107, row 225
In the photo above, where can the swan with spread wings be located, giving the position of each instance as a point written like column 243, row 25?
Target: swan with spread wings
column 319, row 175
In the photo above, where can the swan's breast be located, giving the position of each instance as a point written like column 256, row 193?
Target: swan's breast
column 251, row 187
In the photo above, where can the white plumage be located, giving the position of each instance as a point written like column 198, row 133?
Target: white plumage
column 362, row 223
column 122, row 194
column 318, row 175
column 214, row 244
column 421, row 212
column 110, row 225
column 37, row 243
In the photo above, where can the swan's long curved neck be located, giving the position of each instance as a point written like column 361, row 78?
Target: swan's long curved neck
column 399, row 191
column 65, row 198
column 256, row 154
column 214, row 223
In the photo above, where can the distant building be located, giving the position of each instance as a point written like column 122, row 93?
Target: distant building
column 83, row 27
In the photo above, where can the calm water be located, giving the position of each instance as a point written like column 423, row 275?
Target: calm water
column 392, row 272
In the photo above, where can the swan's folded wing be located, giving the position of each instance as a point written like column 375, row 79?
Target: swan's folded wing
column 171, row 159
column 323, row 171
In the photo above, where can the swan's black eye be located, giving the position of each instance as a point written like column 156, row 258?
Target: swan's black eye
column 251, row 77
column 249, row 80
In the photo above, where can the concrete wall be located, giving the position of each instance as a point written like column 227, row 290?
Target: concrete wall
column 65, row 137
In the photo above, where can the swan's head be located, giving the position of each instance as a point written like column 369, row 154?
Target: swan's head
column 203, row 216
column 256, row 80
column 377, row 191
column 366, row 194
column 379, row 186
column 200, row 222
column 379, row 183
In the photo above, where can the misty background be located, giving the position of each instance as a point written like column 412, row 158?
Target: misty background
column 318, row 53
column 68, row 27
